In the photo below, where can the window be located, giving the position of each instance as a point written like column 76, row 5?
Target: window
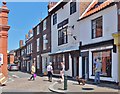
column 97, row 28
column 38, row 29
column 44, row 24
column 31, row 47
column 38, row 62
column 54, row 19
column 106, row 60
column 62, row 36
column 72, row 7
column 45, row 41
column 38, row 44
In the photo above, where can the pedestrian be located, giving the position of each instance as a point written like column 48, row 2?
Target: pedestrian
column 32, row 72
column 50, row 71
column 98, row 68
column 62, row 70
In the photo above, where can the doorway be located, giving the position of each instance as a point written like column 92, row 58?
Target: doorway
column 85, row 68
column 75, row 66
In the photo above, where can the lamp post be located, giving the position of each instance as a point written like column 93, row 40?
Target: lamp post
column 65, row 81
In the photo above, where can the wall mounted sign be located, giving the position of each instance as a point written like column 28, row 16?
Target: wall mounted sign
column 1, row 58
column 118, row 11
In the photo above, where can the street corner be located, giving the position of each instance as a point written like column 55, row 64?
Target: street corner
column 57, row 87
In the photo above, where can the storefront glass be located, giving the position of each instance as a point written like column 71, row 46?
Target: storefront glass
column 106, row 60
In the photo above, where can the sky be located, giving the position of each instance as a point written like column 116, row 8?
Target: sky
column 23, row 16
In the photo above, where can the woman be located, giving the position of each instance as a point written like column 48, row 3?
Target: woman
column 32, row 72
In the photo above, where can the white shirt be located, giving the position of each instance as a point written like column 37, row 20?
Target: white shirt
column 49, row 68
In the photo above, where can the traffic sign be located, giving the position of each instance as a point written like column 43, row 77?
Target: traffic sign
column 1, row 58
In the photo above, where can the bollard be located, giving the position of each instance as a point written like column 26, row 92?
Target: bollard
column 65, row 82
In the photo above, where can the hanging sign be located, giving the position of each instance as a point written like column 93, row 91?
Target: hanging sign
column 118, row 11
column 1, row 59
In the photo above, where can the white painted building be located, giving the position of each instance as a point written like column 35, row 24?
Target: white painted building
column 65, row 36
column 96, row 29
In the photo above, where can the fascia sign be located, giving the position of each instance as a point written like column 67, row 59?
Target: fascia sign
column 1, row 59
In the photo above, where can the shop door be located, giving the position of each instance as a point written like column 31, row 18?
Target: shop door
column 85, row 68
column 75, row 66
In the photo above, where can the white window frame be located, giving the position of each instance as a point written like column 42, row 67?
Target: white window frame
column 38, row 29
column 45, row 41
column 44, row 24
column 38, row 44
column 38, row 62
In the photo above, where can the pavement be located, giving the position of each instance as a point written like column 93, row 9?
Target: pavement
column 74, row 87
column 18, row 82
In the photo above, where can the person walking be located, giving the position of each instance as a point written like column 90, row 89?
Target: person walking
column 62, row 70
column 50, row 71
column 32, row 72
column 98, row 67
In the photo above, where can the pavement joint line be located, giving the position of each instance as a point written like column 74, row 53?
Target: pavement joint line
column 15, row 76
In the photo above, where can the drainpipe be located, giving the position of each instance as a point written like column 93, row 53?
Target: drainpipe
column 116, row 37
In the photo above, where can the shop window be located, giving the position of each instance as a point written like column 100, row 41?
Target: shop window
column 106, row 60
column 97, row 27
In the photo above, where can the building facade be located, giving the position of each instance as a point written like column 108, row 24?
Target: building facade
column 65, row 36
column 42, row 44
column 97, row 40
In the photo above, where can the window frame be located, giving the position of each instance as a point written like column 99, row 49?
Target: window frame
column 105, row 50
column 38, row 44
column 55, row 19
column 62, row 39
column 73, row 7
column 94, row 28
column 45, row 24
column 38, row 29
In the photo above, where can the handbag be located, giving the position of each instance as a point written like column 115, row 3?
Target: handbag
column 35, row 75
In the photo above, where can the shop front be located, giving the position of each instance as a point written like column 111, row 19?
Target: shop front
column 108, row 59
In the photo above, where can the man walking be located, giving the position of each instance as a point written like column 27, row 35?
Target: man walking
column 98, row 67
column 50, row 71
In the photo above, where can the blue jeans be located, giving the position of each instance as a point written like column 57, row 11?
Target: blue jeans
column 97, row 77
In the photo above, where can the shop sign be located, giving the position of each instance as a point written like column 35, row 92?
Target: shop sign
column 1, row 59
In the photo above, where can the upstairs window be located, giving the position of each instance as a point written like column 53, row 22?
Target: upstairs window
column 38, row 29
column 44, row 24
column 38, row 44
column 45, row 42
column 62, row 36
column 97, row 27
column 54, row 19
column 72, row 7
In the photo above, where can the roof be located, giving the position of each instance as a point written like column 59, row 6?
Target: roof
column 57, row 6
column 94, row 7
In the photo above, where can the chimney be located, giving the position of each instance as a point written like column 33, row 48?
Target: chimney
column 51, row 4
column 21, row 43
column 26, row 37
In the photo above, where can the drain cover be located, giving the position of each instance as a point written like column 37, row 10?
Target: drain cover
column 87, row 88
